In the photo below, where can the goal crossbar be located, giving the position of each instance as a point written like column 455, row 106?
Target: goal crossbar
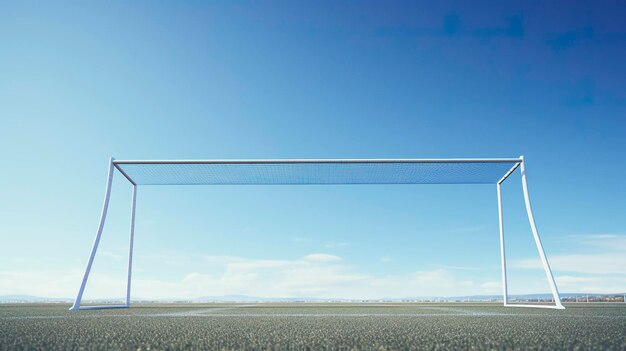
column 320, row 172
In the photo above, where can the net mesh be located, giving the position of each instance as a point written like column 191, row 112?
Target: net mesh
column 316, row 173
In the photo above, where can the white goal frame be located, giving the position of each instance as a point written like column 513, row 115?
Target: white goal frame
column 518, row 163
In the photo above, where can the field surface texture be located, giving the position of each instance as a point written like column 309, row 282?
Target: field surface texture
column 314, row 326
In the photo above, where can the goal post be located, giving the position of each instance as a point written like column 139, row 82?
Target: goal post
column 323, row 172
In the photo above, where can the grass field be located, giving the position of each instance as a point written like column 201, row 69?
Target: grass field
column 314, row 326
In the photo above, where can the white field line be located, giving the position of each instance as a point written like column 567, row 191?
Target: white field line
column 246, row 315
column 458, row 311
column 195, row 312
column 208, row 313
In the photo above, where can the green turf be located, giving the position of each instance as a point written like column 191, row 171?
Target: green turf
column 314, row 326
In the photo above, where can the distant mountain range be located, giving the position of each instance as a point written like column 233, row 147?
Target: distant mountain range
column 30, row 298
column 246, row 298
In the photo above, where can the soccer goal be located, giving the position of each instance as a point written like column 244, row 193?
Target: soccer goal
column 302, row 172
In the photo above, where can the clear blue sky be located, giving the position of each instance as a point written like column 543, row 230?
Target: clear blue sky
column 82, row 82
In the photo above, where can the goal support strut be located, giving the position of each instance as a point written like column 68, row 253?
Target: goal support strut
column 533, row 227
column 96, row 242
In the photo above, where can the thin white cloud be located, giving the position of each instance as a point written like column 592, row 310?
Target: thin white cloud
column 222, row 259
column 593, row 284
column 333, row 245
column 113, row 255
column 611, row 242
column 58, row 283
column 492, row 287
column 606, row 254
column 325, row 275
column 315, row 275
column 310, row 276
column 320, row 257
column 598, row 263
column 464, row 230
column 468, row 268
column 600, row 268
